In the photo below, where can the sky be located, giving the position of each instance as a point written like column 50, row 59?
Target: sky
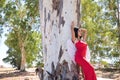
column 3, row 49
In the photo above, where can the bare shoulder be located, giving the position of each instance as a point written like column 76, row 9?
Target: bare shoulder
column 75, row 41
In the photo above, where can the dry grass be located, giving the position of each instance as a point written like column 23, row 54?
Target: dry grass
column 110, row 74
column 12, row 74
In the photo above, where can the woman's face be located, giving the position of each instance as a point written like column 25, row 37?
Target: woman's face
column 79, row 32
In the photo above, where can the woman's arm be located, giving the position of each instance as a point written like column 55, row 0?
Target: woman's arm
column 72, row 31
column 84, row 33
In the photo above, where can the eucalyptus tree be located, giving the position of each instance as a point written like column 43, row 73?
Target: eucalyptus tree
column 56, row 17
column 1, row 17
column 22, row 17
column 100, row 18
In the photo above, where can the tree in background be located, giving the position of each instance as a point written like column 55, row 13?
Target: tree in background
column 24, row 38
column 2, row 2
column 32, row 49
column 99, row 17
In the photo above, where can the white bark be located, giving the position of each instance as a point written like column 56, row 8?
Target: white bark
column 56, row 17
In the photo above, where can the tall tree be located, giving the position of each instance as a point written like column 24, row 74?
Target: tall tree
column 99, row 17
column 56, row 17
column 2, row 2
column 32, row 49
column 118, row 19
column 19, row 16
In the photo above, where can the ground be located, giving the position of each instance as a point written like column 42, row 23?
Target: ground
column 109, row 74
column 12, row 74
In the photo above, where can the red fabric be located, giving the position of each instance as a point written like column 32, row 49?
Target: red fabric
column 88, row 70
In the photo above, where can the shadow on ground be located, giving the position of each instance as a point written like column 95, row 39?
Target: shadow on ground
column 109, row 73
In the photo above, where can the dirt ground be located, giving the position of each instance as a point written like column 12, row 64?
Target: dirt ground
column 12, row 74
column 108, row 74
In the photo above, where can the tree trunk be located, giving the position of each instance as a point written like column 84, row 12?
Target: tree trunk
column 56, row 17
column 22, row 50
column 118, row 20
column 23, row 57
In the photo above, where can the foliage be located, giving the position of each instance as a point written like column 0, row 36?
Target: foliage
column 13, row 58
column 99, row 17
column 22, row 17
column 106, row 65
column 1, row 18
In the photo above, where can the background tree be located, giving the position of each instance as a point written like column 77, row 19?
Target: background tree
column 24, row 31
column 99, row 17
column 2, row 2
column 32, row 49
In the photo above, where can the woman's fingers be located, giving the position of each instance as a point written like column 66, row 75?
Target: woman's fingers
column 72, row 24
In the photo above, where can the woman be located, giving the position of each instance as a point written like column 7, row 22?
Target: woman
column 80, row 54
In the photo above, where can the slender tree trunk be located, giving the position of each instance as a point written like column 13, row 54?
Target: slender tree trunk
column 56, row 17
column 23, row 58
column 118, row 22
column 22, row 50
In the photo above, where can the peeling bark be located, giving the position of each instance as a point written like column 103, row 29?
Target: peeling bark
column 56, row 17
column 60, row 53
column 45, row 20
column 57, row 5
column 78, row 12
column 48, row 16
column 62, row 72
column 39, row 72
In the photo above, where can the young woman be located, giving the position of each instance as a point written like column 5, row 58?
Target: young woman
column 80, row 54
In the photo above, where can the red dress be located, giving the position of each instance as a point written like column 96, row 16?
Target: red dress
column 87, row 69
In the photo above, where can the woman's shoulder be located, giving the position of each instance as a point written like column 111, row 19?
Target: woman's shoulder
column 76, row 41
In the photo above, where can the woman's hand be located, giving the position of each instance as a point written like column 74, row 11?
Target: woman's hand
column 84, row 31
column 72, row 24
